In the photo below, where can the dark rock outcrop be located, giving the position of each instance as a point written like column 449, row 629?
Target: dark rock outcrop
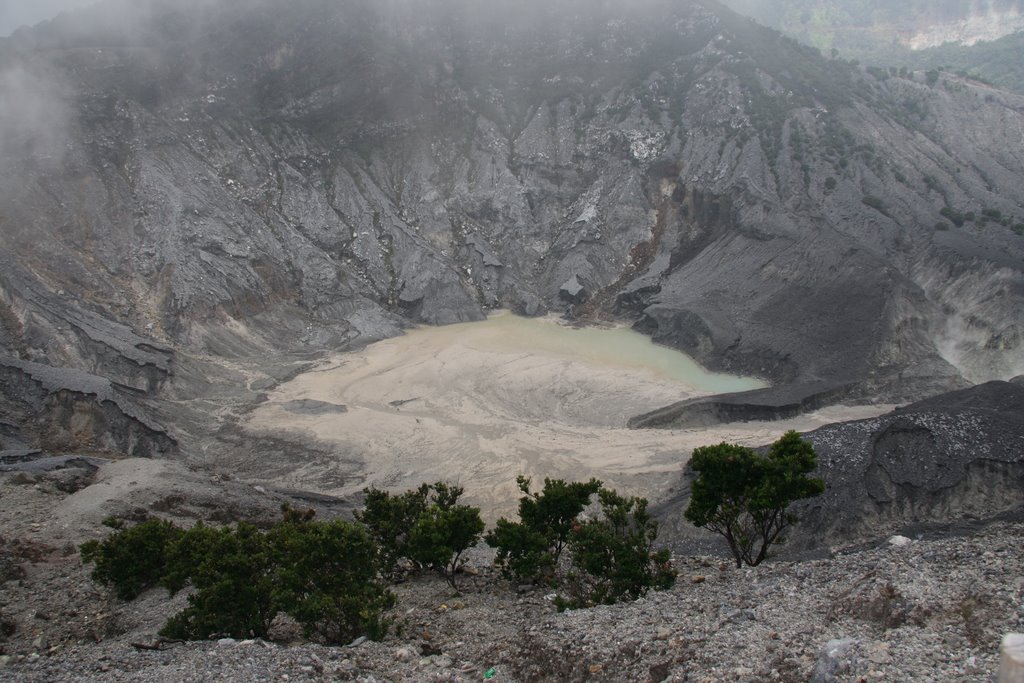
column 62, row 410
column 757, row 405
column 952, row 459
column 948, row 461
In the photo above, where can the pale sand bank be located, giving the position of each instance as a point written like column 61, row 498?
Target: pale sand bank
column 480, row 404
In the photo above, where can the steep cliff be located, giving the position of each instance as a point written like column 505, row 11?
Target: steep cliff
column 189, row 183
column 943, row 463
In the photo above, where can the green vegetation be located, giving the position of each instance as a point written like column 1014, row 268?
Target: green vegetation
column 954, row 217
column 328, row 579
column 744, row 496
column 329, row 575
column 530, row 548
column 232, row 570
column 133, row 559
column 613, row 557
column 426, row 526
column 324, row 574
column 389, row 518
column 444, row 532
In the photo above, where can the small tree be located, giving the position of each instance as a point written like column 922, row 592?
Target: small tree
column 444, row 532
column 744, row 496
column 613, row 556
column 389, row 518
column 531, row 547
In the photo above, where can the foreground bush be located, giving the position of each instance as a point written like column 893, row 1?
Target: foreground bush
column 323, row 574
column 328, row 579
column 531, row 548
column 613, row 556
column 744, row 496
column 390, row 517
column 426, row 526
column 233, row 572
column 133, row 559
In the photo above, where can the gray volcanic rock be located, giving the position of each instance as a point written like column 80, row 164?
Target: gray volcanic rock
column 270, row 179
column 955, row 458
column 746, row 406
column 948, row 461
column 60, row 410
column 307, row 406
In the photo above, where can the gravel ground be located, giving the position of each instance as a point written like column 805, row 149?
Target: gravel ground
column 934, row 609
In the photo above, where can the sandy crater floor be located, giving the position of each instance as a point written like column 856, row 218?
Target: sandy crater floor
column 484, row 402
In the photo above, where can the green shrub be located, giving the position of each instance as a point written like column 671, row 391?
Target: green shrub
column 530, row 549
column 327, row 579
column 233, row 571
column 444, row 532
column 389, row 518
column 523, row 553
column 933, row 185
column 613, row 557
column 133, row 559
column 744, row 496
column 426, row 526
column 324, row 574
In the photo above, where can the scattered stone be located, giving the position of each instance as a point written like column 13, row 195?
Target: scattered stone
column 737, row 615
column 900, row 541
column 837, row 659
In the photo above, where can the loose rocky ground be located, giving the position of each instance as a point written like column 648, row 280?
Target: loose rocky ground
column 931, row 610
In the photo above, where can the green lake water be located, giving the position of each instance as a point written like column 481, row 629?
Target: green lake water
column 613, row 346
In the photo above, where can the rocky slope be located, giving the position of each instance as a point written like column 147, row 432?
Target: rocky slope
column 198, row 196
column 933, row 609
column 950, row 461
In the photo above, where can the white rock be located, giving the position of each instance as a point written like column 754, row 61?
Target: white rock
column 900, row 541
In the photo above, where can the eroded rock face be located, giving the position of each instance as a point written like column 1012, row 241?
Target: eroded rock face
column 945, row 462
column 278, row 179
column 69, row 411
